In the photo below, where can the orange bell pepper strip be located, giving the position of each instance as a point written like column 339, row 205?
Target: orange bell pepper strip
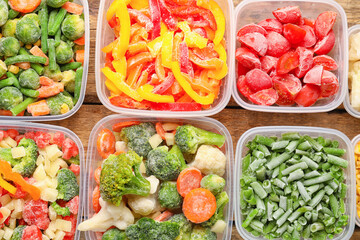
column 7, row 186
column 159, row 69
column 134, row 75
column 145, row 92
column 212, row 63
column 139, row 4
column 220, row 74
column 142, row 79
column 138, row 59
column 123, row 15
column 137, row 47
column 110, row 47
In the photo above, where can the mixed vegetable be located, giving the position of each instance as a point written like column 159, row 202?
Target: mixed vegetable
column 293, row 187
column 39, row 186
column 167, row 55
column 41, row 56
column 165, row 177
column 357, row 166
column 276, row 62
column 354, row 68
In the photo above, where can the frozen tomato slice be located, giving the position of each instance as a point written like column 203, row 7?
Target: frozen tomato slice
column 265, row 97
column 250, row 28
column 287, row 87
column 309, row 22
column 268, row 63
column 31, row 232
column 314, row 75
column 243, row 87
column 293, row 33
column 287, row 62
column 242, row 70
column 326, row 61
column 277, row 44
column 258, row 80
column 247, row 58
column 329, row 84
column 308, row 95
column 305, row 61
column 255, row 41
column 325, row 45
column 324, row 23
column 290, row 14
column 310, row 37
column 271, row 25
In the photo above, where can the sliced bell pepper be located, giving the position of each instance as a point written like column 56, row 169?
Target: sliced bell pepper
column 113, row 22
column 166, row 16
column 178, row 37
column 135, row 48
column 127, row 102
column 166, row 49
column 142, row 79
column 165, row 85
column 139, row 4
column 209, row 99
column 178, row 106
column 155, row 18
column 212, row 63
column 145, row 92
column 134, row 75
column 192, row 39
column 114, row 7
column 110, row 47
column 7, row 186
column 155, row 46
column 123, row 15
column 112, row 88
column 159, row 69
column 163, row 29
column 185, row 64
column 220, row 74
column 120, row 65
column 138, row 59
column 142, row 19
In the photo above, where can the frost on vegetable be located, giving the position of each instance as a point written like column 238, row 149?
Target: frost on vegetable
column 210, row 160
column 73, row 27
column 28, row 29
column 10, row 97
column 9, row 46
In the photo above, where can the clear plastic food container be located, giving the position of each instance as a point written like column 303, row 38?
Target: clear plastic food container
column 354, row 141
column 253, row 11
column 350, row 181
column 23, row 127
column 94, row 159
column 105, row 35
column 77, row 106
column 352, row 111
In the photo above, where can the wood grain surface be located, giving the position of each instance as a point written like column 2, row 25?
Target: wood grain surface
column 236, row 119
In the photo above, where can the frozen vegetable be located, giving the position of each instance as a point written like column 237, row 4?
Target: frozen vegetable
column 210, row 160
column 8, row 30
column 185, row 226
column 213, row 183
column 354, row 73
column 73, row 27
column 64, row 53
column 169, row 196
column 56, row 3
column 29, row 79
column 10, row 97
column 27, row 163
column 9, row 46
column 357, row 166
column 114, row 234
column 67, row 186
column 202, row 233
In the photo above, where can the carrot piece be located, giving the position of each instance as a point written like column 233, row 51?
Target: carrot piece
column 117, row 127
column 23, row 65
column 188, row 179
column 97, row 175
column 4, row 112
column 45, row 81
column 51, row 90
column 105, row 143
column 73, row 8
column 80, row 41
column 26, row 6
column 80, row 56
column 160, row 130
column 199, row 205
column 164, row 216
column 95, row 199
column 36, row 51
column 38, row 108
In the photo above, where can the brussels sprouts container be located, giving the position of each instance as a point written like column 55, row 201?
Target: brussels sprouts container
column 350, row 180
column 354, row 141
column 252, row 11
column 94, row 159
column 105, row 35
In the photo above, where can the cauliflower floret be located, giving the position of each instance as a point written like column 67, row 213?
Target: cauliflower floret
column 154, row 184
column 210, row 160
column 354, row 52
column 121, row 146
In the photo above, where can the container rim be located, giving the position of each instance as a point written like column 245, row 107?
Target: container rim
column 354, row 141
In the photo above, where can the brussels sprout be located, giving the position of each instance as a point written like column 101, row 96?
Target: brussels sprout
column 9, row 46
column 4, row 12
column 56, row 3
column 69, row 80
column 29, row 79
column 55, row 75
column 8, row 30
column 56, row 102
column 27, row 29
column 73, row 27
column 10, row 97
column 3, row 68
column 33, row 17
column 64, row 53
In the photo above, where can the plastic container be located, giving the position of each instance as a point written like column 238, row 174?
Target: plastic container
column 352, row 111
column 253, row 11
column 350, row 181
column 354, row 141
column 105, row 35
column 23, row 127
column 84, row 3
column 94, row 159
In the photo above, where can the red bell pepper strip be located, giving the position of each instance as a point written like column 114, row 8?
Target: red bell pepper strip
column 178, row 106
column 113, row 22
column 185, row 64
column 155, row 18
column 165, row 85
column 142, row 19
column 196, row 12
column 127, row 102
column 169, row 19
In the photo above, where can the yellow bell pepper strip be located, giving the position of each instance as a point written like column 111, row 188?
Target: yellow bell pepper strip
column 166, row 50
column 139, row 4
column 118, row 80
column 163, row 29
column 114, row 7
column 123, row 15
column 219, row 18
column 120, row 65
column 204, row 100
column 192, row 39
column 110, row 47
column 135, row 48
column 155, row 46
column 7, row 186
column 220, row 74
column 212, row 63
column 145, row 92
column 112, row 88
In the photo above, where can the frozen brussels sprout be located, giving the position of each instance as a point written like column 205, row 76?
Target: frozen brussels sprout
column 9, row 46
column 10, row 97
column 8, row 30
column 73, row 27
column 29, row 79
column 55, row 75
column 27, row 29
column 4, row 12
column 3, row 68
column 56, row 3
column 69, row 80
column 64, row 53
column 57, row 102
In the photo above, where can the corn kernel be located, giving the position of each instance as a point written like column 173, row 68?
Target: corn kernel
column 38, row 43
column 28, row 46
column 14, row 69
column 64, row 108
column 1, row 35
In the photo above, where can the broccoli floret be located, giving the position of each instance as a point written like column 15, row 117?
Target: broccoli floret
column 147, row 228
column 67, row 187
column 56, row 102
column 73, row 27
column 185, row 226
column 137, row 137
column 163, row 164
column 6, row 155
column 201, row 233
column 63, row 211
column 114, row 234
column 27, row 164
column 73, row 160
column 120, row 175
column 18, row 232
column 10, row 97
column 189, row 138
column 214, row 183
column 221, row 200
column 169, row 196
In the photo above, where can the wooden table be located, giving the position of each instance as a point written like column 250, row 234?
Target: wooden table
column 236, row 119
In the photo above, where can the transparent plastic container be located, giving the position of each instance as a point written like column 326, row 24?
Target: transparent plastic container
column 23, row 127
column 253, row 11
column 77, row 106
column 354, row 141
column 105, row 35
column 352, row 111
column 350, row 180
column 94, row 159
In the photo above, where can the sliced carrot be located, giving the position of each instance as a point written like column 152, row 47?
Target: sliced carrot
column 38, row 108
column 80, row 56
column 97, row 175
column 23, row 65
column 105, row 143
column 4, row 112
column 164, row 216
column 95, row 199
column 36, row 51
column 73, row 8
column 80, row 41
column 117, row 127
column 199, row 205
column 51, row 90
column 24, row 6
column 160, row 130
column 188, row 179
column 45, row 81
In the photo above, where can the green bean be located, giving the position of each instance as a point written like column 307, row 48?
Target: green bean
column 261, row 173
column 313, row 165
column 301, row 152
column 258, row 154
column 288, row 170
column 278, row 160
column 44, row 20
column 57, row 22
column 264, row 149
column 279, row 145
column 312, row 174
column 282, row 229
column 29, row 92
column 343, row 188
column 323, row 178
column 246, row 163
column 249, row 196
column 295, row 175
column 257, row 226
column 283, row 218
column 72, row 66
column 317, row 146
column 269, row 227
column 14, row 79
column 264, row 140
column 283, row 202
column 52, row 55
column 277, row 182
column 278, row 213
column 317, row 226
column 335, row 151
column 290, row 136
column 281, row 168
column 304, row 194
column 57, row 37
column 292, row 146
column 6, row 82
column 317, row 198
column 337, row 161
column 250, row 217
column 52, row 17
column 257, row 163
column 328, row 190
column 260, row 203
column 25, row 58
column 258, row 189
column 36, row 66
column 304, row 146
column 22, row 106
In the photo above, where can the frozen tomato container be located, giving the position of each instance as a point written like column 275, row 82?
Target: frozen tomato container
column 332, row 134
column 94, row 159
column 105, row 35
column 253, row 11
column 354, row 141
column 22, row 127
